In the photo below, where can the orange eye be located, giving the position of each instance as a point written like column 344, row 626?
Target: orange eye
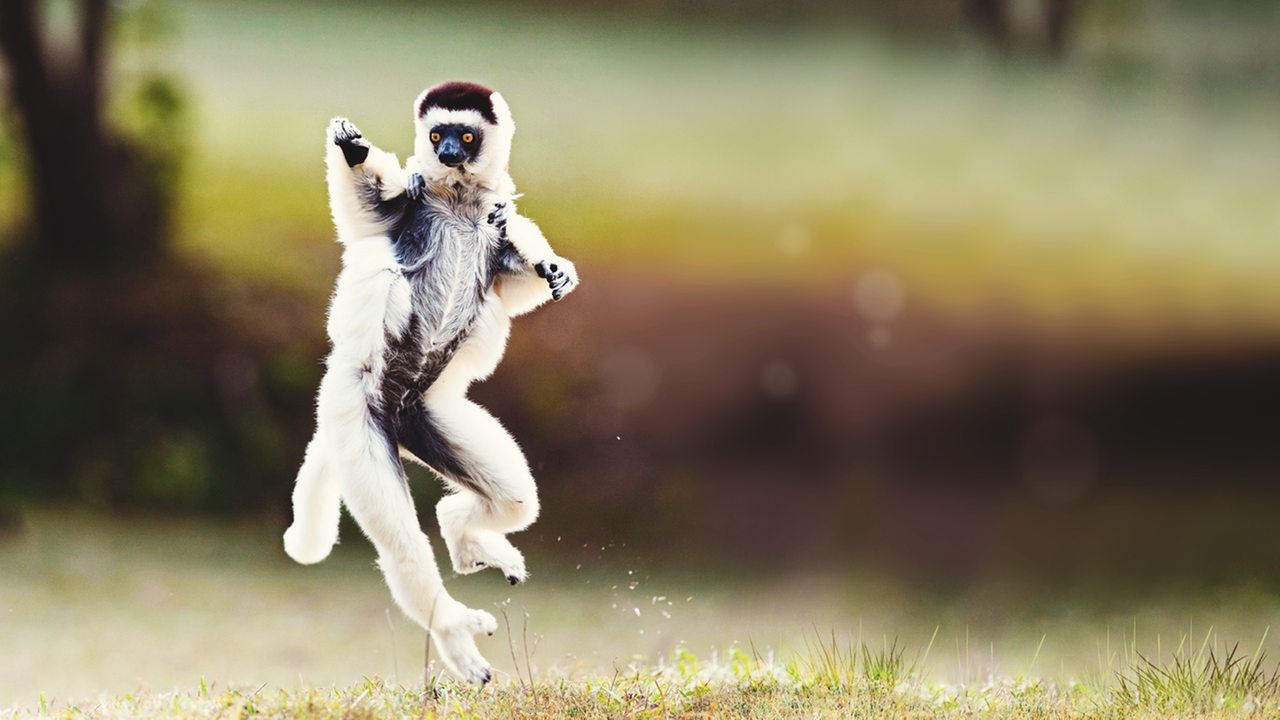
column 468, row 138
column 435, row 137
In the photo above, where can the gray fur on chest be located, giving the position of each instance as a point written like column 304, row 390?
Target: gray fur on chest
column 448, row 251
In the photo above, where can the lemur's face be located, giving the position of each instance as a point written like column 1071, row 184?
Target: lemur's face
column 456, row 144
column 463, row 133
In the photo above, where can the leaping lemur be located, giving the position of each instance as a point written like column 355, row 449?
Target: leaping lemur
column 436, row 262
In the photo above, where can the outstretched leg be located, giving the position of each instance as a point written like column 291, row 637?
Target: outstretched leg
column 373, row 488
column 316, row 507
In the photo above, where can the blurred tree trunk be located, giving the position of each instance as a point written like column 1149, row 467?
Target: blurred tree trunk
column 993, row 20
column 108, row 333
column 1058, row 22
column 93, row 200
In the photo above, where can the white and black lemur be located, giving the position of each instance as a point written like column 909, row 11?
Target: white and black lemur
column 436, row 262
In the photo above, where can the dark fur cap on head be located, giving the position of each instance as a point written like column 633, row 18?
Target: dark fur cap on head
column 459, row 96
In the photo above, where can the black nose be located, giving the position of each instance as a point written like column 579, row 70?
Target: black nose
column 450, row 151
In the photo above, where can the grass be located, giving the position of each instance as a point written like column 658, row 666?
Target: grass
column 1203, row 679
column 827, row 682
column 106, row 617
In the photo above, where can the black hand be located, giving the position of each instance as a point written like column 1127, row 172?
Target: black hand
column 498, row 217
column 355, row 149
column 558, row 284
column 556, row 278
column 343, row 130
column 417, row 187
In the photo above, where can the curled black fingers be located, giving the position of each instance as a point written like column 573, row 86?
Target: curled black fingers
column 344, row 131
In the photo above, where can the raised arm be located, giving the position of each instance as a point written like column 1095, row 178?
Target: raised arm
column 366, row 184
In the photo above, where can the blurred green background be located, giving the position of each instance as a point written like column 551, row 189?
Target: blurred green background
column 951, row 291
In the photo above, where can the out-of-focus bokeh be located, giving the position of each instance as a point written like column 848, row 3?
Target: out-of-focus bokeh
column 948, row 291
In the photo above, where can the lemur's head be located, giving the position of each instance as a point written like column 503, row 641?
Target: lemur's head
column 463, row 133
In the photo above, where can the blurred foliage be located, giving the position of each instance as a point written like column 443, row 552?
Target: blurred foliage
column 134, row 385
column 1062, row 189
column 151, row 105
column 822, row 243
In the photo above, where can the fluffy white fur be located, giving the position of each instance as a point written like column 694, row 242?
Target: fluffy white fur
column 490, row 169
column 347, row 460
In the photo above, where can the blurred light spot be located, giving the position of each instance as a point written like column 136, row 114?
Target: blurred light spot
column 1059, row 460
column 779, row 379
column 879, row 337
column 630, row 378
column 794, row 240
column 879, row 295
